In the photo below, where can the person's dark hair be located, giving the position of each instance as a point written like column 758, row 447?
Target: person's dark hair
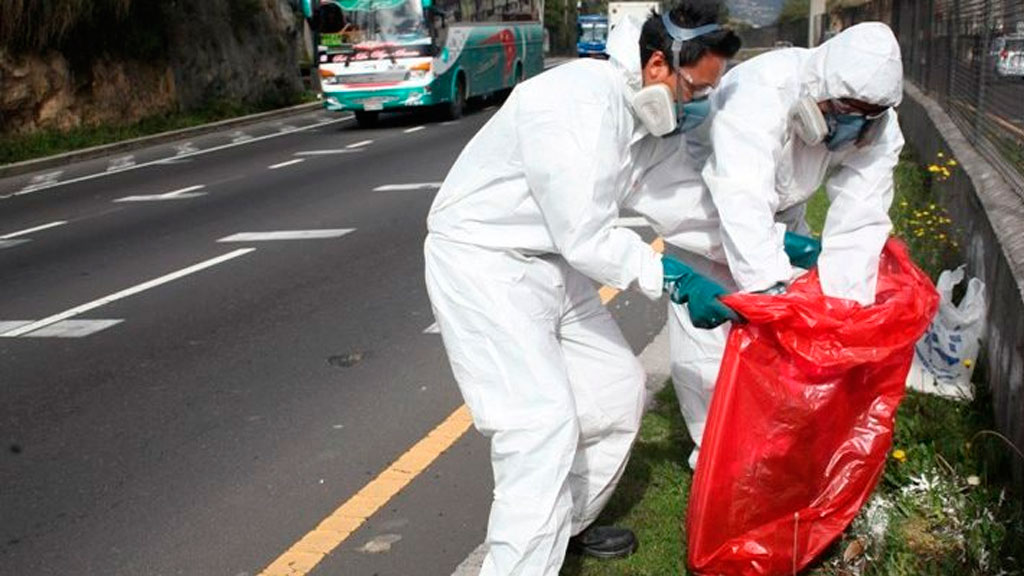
column 688, row 14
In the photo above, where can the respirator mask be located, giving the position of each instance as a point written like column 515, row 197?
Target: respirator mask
column 836, row 129
column 655, row 106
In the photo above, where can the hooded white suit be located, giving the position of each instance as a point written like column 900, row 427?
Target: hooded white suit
column 760, row 176
column 520, row 230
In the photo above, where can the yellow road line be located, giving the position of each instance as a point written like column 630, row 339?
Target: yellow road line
column 313, row 547
column 305, row 554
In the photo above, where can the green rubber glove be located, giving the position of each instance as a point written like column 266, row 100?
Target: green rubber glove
column 803, row 251
column 684, row 286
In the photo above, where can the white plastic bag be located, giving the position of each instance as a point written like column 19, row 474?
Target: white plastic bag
column 945, row 356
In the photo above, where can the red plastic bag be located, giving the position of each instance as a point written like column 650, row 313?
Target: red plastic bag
column 801, row 420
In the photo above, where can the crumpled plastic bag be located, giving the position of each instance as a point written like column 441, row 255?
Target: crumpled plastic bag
column 944, row 358
column 802, row 417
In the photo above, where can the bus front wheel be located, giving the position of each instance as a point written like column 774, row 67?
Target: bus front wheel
column 457, row 105
column 366, row 119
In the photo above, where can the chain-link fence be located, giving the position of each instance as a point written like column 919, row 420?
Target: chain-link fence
column 969, row 55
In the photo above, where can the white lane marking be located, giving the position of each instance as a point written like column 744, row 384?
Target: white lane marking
column 285, row 128
column 35, row 188
column 40, row 181
column 182, row 194
column 6, row 325
column 286, row 163
column 414, row 129
column 324, row 152
column 124, row 293
column 287, row 235
column 359, row 144
column 473, row 563
column 450, row 122
column 632, row 222
column 238, row 137
column 72, row 329
column 185, row 148
column 33, row 229
column 432, row 329
column 121, row 163
column 398, row 187
column 174, row 160
column 10, row 243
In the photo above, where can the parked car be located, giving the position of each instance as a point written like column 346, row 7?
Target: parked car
column 1008, row 55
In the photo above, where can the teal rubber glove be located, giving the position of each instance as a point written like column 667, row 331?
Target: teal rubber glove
column 684, row 286
column 803, row 251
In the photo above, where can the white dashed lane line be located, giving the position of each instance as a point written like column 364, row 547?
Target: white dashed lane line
column 65, row 315
column 407, row 187
column 52, row 179
column 72, row 328
column 414, row 129
column 121, row 163
column 183, row 194
column 286, row 163
column 359, row 144
column 288, row 235
column 324, row 152
column 33, row 229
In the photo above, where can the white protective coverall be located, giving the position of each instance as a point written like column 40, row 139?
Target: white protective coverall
column 522, row 227
column 760, row 176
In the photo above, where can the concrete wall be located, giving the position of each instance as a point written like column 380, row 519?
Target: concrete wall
column 990, row 212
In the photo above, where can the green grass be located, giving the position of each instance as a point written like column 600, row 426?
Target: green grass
column 945, row 506
column 49, row 142
column 651, row 499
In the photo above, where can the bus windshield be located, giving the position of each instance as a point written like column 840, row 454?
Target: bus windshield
column 375, row 21
column 594, row 32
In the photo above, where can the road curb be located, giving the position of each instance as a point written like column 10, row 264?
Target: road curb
column 65, row 158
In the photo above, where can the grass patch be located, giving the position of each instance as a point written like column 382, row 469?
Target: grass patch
column 945, row 504
column 651, row 499
column 49, row 142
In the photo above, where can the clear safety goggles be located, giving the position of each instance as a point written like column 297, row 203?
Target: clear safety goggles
column 851, row 107
column 695, row 93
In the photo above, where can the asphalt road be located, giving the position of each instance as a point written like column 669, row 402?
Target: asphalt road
column 178, row 401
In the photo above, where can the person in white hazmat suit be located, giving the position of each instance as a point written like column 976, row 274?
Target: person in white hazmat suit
column 521, row 229
column 781, row 124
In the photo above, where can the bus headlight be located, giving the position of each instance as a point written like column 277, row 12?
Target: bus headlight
column 327, row 77
column 419, row 71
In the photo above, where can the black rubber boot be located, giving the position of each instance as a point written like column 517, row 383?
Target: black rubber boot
column 603, row 542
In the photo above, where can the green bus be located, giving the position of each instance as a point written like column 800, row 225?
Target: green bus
column 380, row 55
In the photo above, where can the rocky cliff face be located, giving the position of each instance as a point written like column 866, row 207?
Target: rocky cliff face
column 194, row 53
column 243, row 50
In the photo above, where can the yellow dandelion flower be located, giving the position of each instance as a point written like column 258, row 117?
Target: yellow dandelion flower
column 941, row 155
column 951, row 162
column 968, row 363
column 933, row 168
column 899, row 455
